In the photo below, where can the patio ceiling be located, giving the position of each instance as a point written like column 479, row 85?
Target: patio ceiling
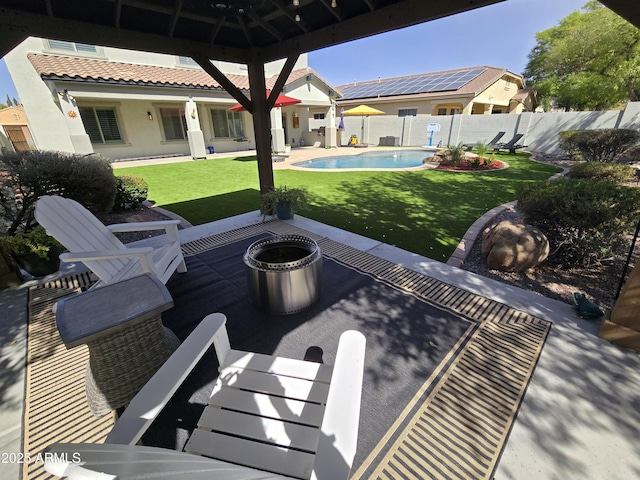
column 232, row 30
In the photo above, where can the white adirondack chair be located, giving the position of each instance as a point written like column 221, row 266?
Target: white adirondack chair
column 91, row 242
column 268, row 418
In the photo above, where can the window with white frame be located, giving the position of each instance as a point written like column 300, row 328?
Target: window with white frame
column 63, row 46
column 407, row 112
column 174, row 124
column 318, row 116
column 227, row 124
column 101, row 124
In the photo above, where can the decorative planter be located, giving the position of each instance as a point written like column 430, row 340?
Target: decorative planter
column 284, row 210
column 284, row 273
column 37, row 266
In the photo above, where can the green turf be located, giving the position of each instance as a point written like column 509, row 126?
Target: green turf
column 424, row 211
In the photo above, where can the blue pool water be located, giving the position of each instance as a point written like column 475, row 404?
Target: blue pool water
column 390, row 159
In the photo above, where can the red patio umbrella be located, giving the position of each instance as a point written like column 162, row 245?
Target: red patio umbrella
column 281, row 101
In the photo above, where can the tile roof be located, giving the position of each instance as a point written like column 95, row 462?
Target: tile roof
column 58, row 67
column 488, row 76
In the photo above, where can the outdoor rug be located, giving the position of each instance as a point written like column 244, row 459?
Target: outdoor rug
column 445, row 370
column 56, row 409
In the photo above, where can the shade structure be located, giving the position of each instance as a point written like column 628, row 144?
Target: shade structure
column 281, row 101
column 363, row 111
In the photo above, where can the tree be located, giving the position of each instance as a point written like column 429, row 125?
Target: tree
column 589, row 61
column 8, row 101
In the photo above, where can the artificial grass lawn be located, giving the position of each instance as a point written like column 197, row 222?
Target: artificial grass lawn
column 424, row 211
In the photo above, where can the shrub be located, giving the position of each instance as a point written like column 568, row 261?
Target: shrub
column 454, row 155
column 481, row 148
column 490, row 160
column 130, row 193
column 475, row 162
column 584, row 220
column 36, row 241
column 604, row 145
column 566, row 141
column 26, row 176
column 608, row 172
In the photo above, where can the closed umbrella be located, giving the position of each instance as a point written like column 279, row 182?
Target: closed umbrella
column 363, row 111
column 341, row 124
column 281, row 101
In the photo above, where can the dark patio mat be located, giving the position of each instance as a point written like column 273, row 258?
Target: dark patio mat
column 445, row 370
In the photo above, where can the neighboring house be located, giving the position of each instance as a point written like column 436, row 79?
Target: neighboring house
column 473, row 90
column 128, row 104
column 14, row 130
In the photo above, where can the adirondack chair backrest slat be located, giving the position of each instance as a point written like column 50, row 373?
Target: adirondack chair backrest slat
column 79, row 230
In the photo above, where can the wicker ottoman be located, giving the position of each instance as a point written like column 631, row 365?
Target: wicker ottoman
column 122, row 327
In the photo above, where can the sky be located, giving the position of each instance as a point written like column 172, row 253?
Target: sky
column 500, row 35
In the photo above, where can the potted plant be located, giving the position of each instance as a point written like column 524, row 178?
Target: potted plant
column 34, row 251
column 287, row 147
column 283, row 201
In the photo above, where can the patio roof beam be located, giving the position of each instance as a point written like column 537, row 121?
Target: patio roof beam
column 245, row 29
column 117, row 14
column 31, row 24
column 626, row 9
column 49, row 8
column 335, row 11
column 174, row 18
column 222, row 79
column 380, row 20
column 261, row 123
column 215, row 30
column 301, row 24
column 282, row 79
column 272, row 31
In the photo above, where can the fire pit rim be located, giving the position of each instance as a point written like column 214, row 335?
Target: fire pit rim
column 261, row 245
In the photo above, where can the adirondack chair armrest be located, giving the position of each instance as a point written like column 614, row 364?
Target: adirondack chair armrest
column 339, row 437
column 105, row 254
column 142, row 226
column 149, row 402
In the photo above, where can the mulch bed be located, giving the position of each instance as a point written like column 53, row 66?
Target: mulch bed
column 465, row 165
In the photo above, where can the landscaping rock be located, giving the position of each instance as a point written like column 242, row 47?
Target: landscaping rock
column 514, row 247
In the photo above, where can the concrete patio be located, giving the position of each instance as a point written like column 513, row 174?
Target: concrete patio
column 580, row 417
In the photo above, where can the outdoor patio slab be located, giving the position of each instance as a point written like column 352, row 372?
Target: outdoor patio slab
column 581, row 413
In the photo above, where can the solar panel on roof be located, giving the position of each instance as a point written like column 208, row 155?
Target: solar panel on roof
column 438, row 82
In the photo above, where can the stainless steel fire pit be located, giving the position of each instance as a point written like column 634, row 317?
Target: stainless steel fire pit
column 284, row 273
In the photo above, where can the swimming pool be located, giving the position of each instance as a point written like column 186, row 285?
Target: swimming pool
column 370, row 160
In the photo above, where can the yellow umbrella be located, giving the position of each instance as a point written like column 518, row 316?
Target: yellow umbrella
column 363, row 110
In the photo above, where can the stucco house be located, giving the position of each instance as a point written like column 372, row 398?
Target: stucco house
column 14, row 130
column 473, row 90
column 128, row 104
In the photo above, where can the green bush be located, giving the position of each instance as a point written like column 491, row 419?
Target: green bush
column 26, row 176
column 608, row 172
column 130, row 193
column 36, row 241
column 566, row 141
column 604, row 145
column 454, row 155
column 585, row 221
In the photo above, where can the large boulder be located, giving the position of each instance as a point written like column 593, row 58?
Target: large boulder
column 514, row 247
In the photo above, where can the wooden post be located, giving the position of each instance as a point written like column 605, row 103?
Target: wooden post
column 261, row 124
